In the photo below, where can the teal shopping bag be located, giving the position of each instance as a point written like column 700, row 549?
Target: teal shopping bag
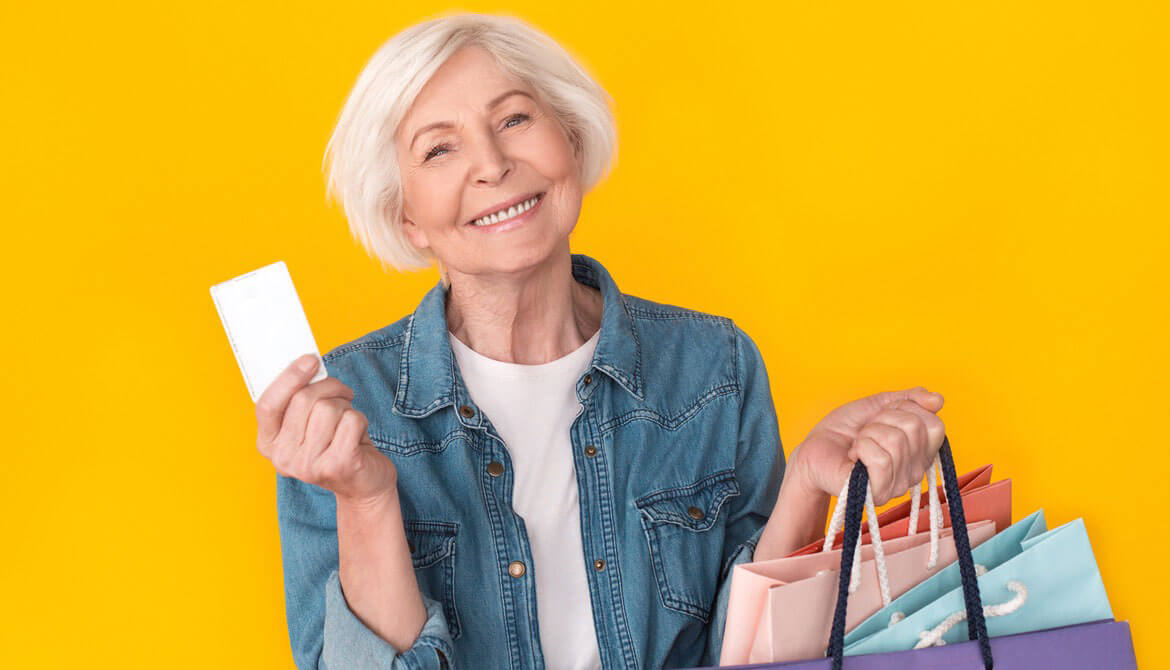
column 1052, row 581
column 990, row 554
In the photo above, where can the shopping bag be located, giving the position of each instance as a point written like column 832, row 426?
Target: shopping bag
column 988, row 555
column 780, row 610
column 1052, row 581
column 982, row 499
column 798, row 592
column 1094, row 645
column 1101, row 645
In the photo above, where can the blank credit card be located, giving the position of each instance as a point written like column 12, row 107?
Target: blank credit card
column 266, row 325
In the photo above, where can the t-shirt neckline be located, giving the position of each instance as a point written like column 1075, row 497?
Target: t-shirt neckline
column 569, row 361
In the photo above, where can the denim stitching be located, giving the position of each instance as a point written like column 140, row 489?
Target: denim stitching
column 338, row 352
column 725, row 487
column 415, row 446
column 444, row 557
column 669, row 423
column 612, row 547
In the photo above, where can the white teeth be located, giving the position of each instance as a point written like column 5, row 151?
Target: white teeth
column 504, row 215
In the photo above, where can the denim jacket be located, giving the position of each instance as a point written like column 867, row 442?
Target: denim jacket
column 678, row 460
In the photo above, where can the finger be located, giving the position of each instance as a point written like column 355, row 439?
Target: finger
column 907, row 417
column 322, row 425
column 895, row 443
column 271, row 404
column 928, row 400
column 342, row 452
column 879, row 465
column 300, row 406
column 935, row 430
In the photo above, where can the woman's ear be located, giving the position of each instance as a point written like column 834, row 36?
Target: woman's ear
column 413, row 232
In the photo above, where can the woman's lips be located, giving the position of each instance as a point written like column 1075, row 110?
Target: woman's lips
column 512, row 222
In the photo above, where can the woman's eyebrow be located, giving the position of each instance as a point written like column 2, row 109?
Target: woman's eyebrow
column 449, row 124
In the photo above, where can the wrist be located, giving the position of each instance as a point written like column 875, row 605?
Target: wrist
column 380, row 502
column 804, row 478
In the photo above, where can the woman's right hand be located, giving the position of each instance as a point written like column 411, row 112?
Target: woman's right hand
column 313, row 433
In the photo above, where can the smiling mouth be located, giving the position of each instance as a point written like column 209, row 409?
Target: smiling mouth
column 504, row 216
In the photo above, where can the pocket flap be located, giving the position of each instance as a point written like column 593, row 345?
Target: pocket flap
column 695, row 506
column 429, row 541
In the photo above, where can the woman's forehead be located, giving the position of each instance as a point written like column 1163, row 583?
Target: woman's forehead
column 449, row 94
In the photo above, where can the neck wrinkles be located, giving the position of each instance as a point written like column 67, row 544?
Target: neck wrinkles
column 530, row 319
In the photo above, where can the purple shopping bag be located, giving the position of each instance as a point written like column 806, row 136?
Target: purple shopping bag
column 1098, row 645
column 1101, row 645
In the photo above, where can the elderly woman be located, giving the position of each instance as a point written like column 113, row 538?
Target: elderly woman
column 533, row 469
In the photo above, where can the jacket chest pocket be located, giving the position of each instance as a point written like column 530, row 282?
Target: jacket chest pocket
column 432, row 551
column 685, row 533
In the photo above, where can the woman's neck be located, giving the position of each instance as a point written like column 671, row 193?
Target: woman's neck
column 529, row 318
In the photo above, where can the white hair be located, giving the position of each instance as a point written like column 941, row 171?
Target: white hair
column 363, row 171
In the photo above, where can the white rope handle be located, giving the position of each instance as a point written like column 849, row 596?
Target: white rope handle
column 933, row 637
column 879, row 556
column 895, row 617
column 936, row 520
column 838, row 518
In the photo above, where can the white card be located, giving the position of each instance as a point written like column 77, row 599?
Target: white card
column 266, row 325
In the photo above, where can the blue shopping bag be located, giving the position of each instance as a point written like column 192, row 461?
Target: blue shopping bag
column 989, row 555
column 1052, row 581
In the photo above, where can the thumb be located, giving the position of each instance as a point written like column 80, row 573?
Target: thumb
column 844, row 469
column 928, row 400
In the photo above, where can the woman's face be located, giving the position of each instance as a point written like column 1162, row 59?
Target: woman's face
column 498, row 148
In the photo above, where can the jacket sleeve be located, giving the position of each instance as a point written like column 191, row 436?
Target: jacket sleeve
column 323, row 631
column 759, row 467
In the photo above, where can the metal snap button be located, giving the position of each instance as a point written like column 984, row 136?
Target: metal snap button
column 695, row 513
column 495, row 468
column 516, row 569
column 591, row 451
column 588, row 379
column 599, row 564
column 467, row 411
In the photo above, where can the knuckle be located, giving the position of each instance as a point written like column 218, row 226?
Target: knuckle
column 355, row 417
column 880, row 457
column 326, row 470
column 341, row 387
column 265, row 406
column 361, row 418
column 282, row 460
column 300, row 402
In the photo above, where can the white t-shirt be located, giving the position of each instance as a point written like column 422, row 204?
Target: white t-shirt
column 532, row 408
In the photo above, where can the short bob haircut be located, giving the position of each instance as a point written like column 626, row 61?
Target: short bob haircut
column 363, row 171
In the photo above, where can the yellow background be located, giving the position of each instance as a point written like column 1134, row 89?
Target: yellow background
column 967, row 196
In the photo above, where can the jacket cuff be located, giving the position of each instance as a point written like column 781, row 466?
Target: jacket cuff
column 349, row 643
column 744, row 553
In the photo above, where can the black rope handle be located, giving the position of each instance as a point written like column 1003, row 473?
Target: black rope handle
column 976, row 625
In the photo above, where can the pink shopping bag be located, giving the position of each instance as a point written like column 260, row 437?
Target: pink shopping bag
column 782, row 609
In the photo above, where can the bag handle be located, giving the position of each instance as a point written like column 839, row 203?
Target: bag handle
column 858, row 483
column 838, row 516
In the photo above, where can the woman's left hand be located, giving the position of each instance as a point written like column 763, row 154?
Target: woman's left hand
column 895, row 433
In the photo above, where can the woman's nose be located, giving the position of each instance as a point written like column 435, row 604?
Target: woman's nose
column 491, row 162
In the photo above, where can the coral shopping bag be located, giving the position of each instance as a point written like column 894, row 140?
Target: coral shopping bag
column 982, row 499
column 780, row 610
column 1094, row 645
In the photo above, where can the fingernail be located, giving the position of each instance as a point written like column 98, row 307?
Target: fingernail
column 307, row 363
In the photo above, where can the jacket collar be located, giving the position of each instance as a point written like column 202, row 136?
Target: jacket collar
column 427, row 369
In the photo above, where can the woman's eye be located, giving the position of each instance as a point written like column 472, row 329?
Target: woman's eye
column 515, row 117
column 436, row 150
column 432, row 153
